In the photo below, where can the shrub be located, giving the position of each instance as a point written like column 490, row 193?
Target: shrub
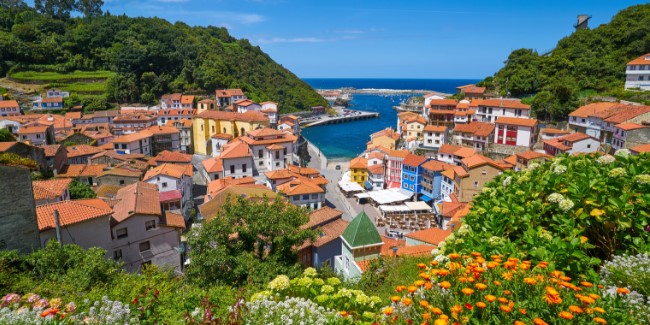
column 573, row 210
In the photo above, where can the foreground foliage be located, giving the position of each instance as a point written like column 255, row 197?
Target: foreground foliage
column 574, row 211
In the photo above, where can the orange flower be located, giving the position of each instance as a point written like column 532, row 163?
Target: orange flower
column 490, row 298
column 506, row 275
column 54, row 311
column 600, row 320
column 481, row 305
column 505, row 308
column 575, row 309
column 441, row 321
column 388, row 311
column 428, row 285
column 467, row 291
column 509, row 265
column 436, row 310
column 424, row 303
column 442, row 272
column 495, row 257
column 395, row 298
column 454, row 256
column 497, row 283
column 462, row 279
column 523, row 311
column 556, row 274
column 586, row 284
column 623, row 291
column 518, row 322
column 542, row 265
column 433, row 263
column 552, row 291
column 507, row 292
column 476, row 254
column 426, row 316
column 566, row 315
column 421, row 265
column 599, row 310
column 407, row 301
column 445, row 284
column 456, row 309
column 413, row 289
column 513, row 259
column 600, row 286
column 539, row 321
column 594, row 296
column 471, row 280
column 503, row 300
column 552, row 296
column 344, row 314
column 565, row 278
column 530, row 281
column 524, row 266
column 419, row 283
column 400, row 288
column 45, row 313
column 491, row 265
column 587, row 300
column 480, row 260
column 469, row 306
column 481, row 286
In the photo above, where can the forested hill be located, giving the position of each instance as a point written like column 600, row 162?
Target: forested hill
column 150, row 56
column 589, row 60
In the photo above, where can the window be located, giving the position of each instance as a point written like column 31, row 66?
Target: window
column 277, row 164
column 406, row 176
column 216, row 176
column 484, row 172
column 117, row 254
column 640, row 78
column 305, row 197
column 213, row 130
column 232, row 169
column 121, row 233
column 123, row 145
column 38, row 136
column 411, row 187
column 314, row 196
column 475, row 184
column 260, row 153
column 412, row 178
column 277, row 155
column 145, row 246
column 164, row 184
column 121, row 182
column 405, row 186
column 589, row 146
column 261, row 163
column 243, row 168
column 151, row 224
column 295, row 197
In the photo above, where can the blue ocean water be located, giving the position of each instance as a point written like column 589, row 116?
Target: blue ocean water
column 347, row 140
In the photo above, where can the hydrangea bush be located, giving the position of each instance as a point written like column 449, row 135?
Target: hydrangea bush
column 633, row 274
column 574, row 211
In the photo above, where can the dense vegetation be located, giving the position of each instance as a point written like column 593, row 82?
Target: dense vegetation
column 142, row 58
column 587, row 61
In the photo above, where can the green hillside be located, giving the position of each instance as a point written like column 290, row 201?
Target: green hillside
column 142, row 58
column 589, row 61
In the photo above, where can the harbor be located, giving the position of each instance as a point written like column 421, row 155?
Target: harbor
column 346, row 116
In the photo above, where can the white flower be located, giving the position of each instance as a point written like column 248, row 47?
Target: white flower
column 566, row 205
column 559, row 169
column 555, row 198
column 622, row 153
column 532, row 166
column 616, row 172
column 507, row 181
column 642, row 179
column 494, row 240
column 606, row 159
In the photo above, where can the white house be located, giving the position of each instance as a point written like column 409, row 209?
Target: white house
column 476, row 135
column 637, row 73
column 165, row 115
column 9, row 108
column 453, row 155
column 271, row 149
column 36, row 134
column 271, row 110
column 237, row 159
column 435, row 136
column 302, row 192
column 515, row 131
column 135, row 143
column 218, row 141
column 212, row 169
column 573, row 143
column 245, row 105
column 489, row 110
column 174, row 184
column 376, row 177
column 629, row 134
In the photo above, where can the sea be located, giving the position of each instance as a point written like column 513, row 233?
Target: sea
column 344, row 141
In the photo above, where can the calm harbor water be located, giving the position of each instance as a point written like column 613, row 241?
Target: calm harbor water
column 347, row 140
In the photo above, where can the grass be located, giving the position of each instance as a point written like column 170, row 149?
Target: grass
column 80, row 87
column 61, row 77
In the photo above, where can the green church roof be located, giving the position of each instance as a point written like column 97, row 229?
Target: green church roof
column 361, row 232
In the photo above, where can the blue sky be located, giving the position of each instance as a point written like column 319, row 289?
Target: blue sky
column 385, row 39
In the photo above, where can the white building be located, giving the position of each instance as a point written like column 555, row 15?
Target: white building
column 271, row 110
column 135, row 143
column 570, row 144
column 303, row 193
column 237, row 159
column 174, row 184
column 489, row 110
column 271, row 149
column 435, row 136
column 514, row 131
column 245, row 105
column 637, row 73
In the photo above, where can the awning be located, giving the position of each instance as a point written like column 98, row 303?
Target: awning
column 425, row 198
column 418, row 206
column 367, row 185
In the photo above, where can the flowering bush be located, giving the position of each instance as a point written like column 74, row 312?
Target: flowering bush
column 633, row 274
column 328, row 293
column 267, row 310
column 573, row 210
column 477, row 290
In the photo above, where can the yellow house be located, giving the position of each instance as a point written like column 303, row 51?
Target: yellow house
column 359, row 170
column 211, row 122
column 385, row 138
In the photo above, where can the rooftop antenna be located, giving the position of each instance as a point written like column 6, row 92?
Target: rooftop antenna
column 583, row 22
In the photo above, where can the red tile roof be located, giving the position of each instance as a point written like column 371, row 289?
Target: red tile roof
column 173, row 157
column 627, row 112
column 376, row 169
column 554, row 131
column 265, row 132
column 174, row 220
column 592, row 109
column 8, row 104
column 627, row 126
column 573, row 137
column 435, row 128
column 557, row 143
column 51, row 149
column 172, row 195
column 50, row 189
column 322, row 216
column 480, row 129
column 137, row 198
column 641, row 148
column 82, row 150
column 33, row 128
column 642, row 60
column 414, row 160
column 448, row 149
column 299, row 186
column 516, row 121
column 528, row 155
column 431, row 236
column 172, row 170
column 71, row 212
column 213, row 165
column 217, row 185
column 359, row 162
column 435, row 165
column 235, row 149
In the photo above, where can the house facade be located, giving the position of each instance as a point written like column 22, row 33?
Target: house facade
column 637, row 73
column 176, row 181
column 514, row 131
column 394, row 161
column 489, row 110
column 359, row 170
column 271, row 149
column 211, row 122
column 570, row 144
column 412, row 173
column 36, row 134
column 9, row 108
column 360, row 242
column 435, row 136
column 431, row 181
column 476, row 135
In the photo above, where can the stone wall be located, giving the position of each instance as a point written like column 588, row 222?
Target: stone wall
column 18, row 225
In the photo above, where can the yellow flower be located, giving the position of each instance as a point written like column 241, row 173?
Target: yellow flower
column 407, row 301
column 344, row 314
column 413, row 289
column 436, row 310
column 530, row 281
column 441, row 321
column 583, row 239
column 388, row 311
column 596, row 212
column 506, row 275
column 421, row 265
column 456, row 309
column 395, row 298
column 594, row 296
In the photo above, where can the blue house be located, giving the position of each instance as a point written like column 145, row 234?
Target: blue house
column 432, row 179
column 49, row 103
column 412, row 173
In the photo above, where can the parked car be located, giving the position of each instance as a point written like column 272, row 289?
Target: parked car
column 338, row 167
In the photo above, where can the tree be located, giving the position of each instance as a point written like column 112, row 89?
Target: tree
column 6, row 136
column 79, row 190
column 59, row 9
column 89, row 8
column 247, row 241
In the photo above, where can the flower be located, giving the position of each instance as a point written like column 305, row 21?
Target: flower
column 596, row 212
column 281, row 282
column 407, row 301
column 421, row 266
column 456, row 309
column 552, row 296
column 490, row 298
column 467, row 291
column 518, row 322
column 454, row 256
column 566, row 315
column 539, row 321
column 507, row 181
column 616, row 172
column 412, row 289
column 395, row 298
column 388, row 311
column 481, row 305
column 445, row 284
column 424, row 303
column 436, row 311
column 506, row 275
column 575, row 309
column 507, row 292
column 310, row 272
column 600, row 320
column 559, row 169
column 642, row 179
column 566, row 205
column 555, row 198
column 333, row 281
column 505, row 308
column 502, row 300
column 530, row 281
column 623, row 291
column 606, row 159
column 599, row 310
column 622, row 153
column 481, row 286
column 344, row 314
column 523, row 311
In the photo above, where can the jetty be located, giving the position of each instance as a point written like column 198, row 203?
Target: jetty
column 350, row 115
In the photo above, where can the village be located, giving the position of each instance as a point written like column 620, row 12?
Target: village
column 157, row 171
